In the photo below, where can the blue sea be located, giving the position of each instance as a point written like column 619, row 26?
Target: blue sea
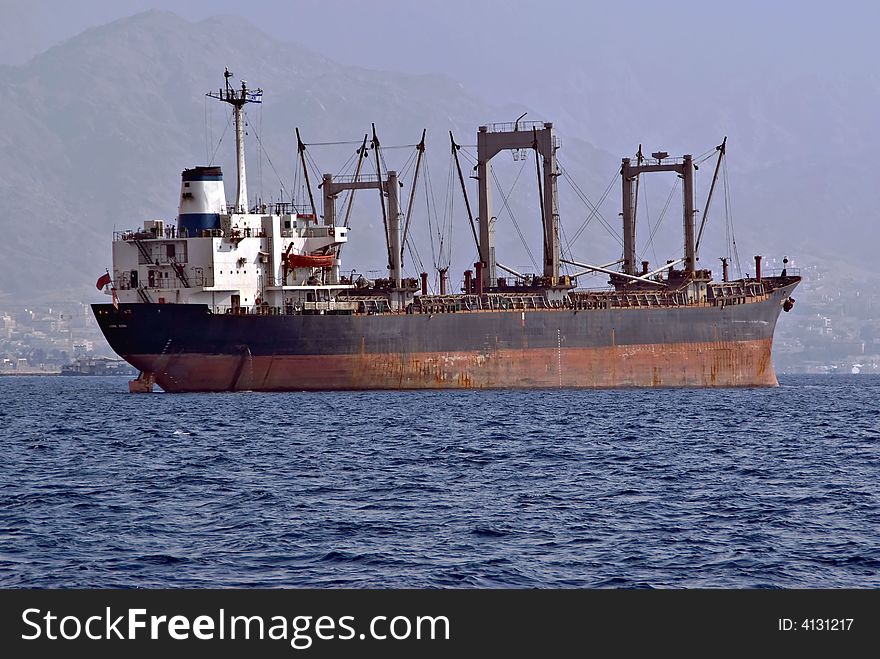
column 744, row 488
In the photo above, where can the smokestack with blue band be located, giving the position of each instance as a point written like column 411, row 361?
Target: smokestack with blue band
column 202, row 199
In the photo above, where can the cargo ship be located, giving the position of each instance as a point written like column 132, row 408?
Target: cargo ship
column 234, row 297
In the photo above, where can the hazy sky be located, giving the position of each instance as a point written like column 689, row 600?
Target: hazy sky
column 642, row 61
column 469, row 40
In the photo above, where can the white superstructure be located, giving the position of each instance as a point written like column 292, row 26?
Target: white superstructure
column 243, row 264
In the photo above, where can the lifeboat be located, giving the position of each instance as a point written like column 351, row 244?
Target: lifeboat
column 309, row 260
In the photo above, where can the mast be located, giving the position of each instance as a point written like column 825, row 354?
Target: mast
column 382, row 199
column 362, row 155
column 467, row 203
column 301, row 148
column 238, row 99
column 722, row 149
column 420, row 147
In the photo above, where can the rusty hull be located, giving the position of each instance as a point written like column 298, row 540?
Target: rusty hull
column 746, row 363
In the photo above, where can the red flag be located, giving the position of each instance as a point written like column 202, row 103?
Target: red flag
column 103, row 280
column 115, row 299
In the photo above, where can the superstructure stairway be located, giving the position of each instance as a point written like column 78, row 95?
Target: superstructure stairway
column 144, row 251
column 181, row 273
column 178, row 268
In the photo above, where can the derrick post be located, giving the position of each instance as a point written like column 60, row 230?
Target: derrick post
column 550, row 205
column 487, row 229
column 394, row 268
column 629, row 224
column 329, row 201
column 690, row 254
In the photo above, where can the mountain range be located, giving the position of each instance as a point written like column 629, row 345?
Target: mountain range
column 98, row 128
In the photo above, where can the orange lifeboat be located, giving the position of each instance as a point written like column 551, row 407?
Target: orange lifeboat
column 309, row 260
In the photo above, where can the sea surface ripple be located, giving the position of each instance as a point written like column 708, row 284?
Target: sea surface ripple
column 670, row 488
